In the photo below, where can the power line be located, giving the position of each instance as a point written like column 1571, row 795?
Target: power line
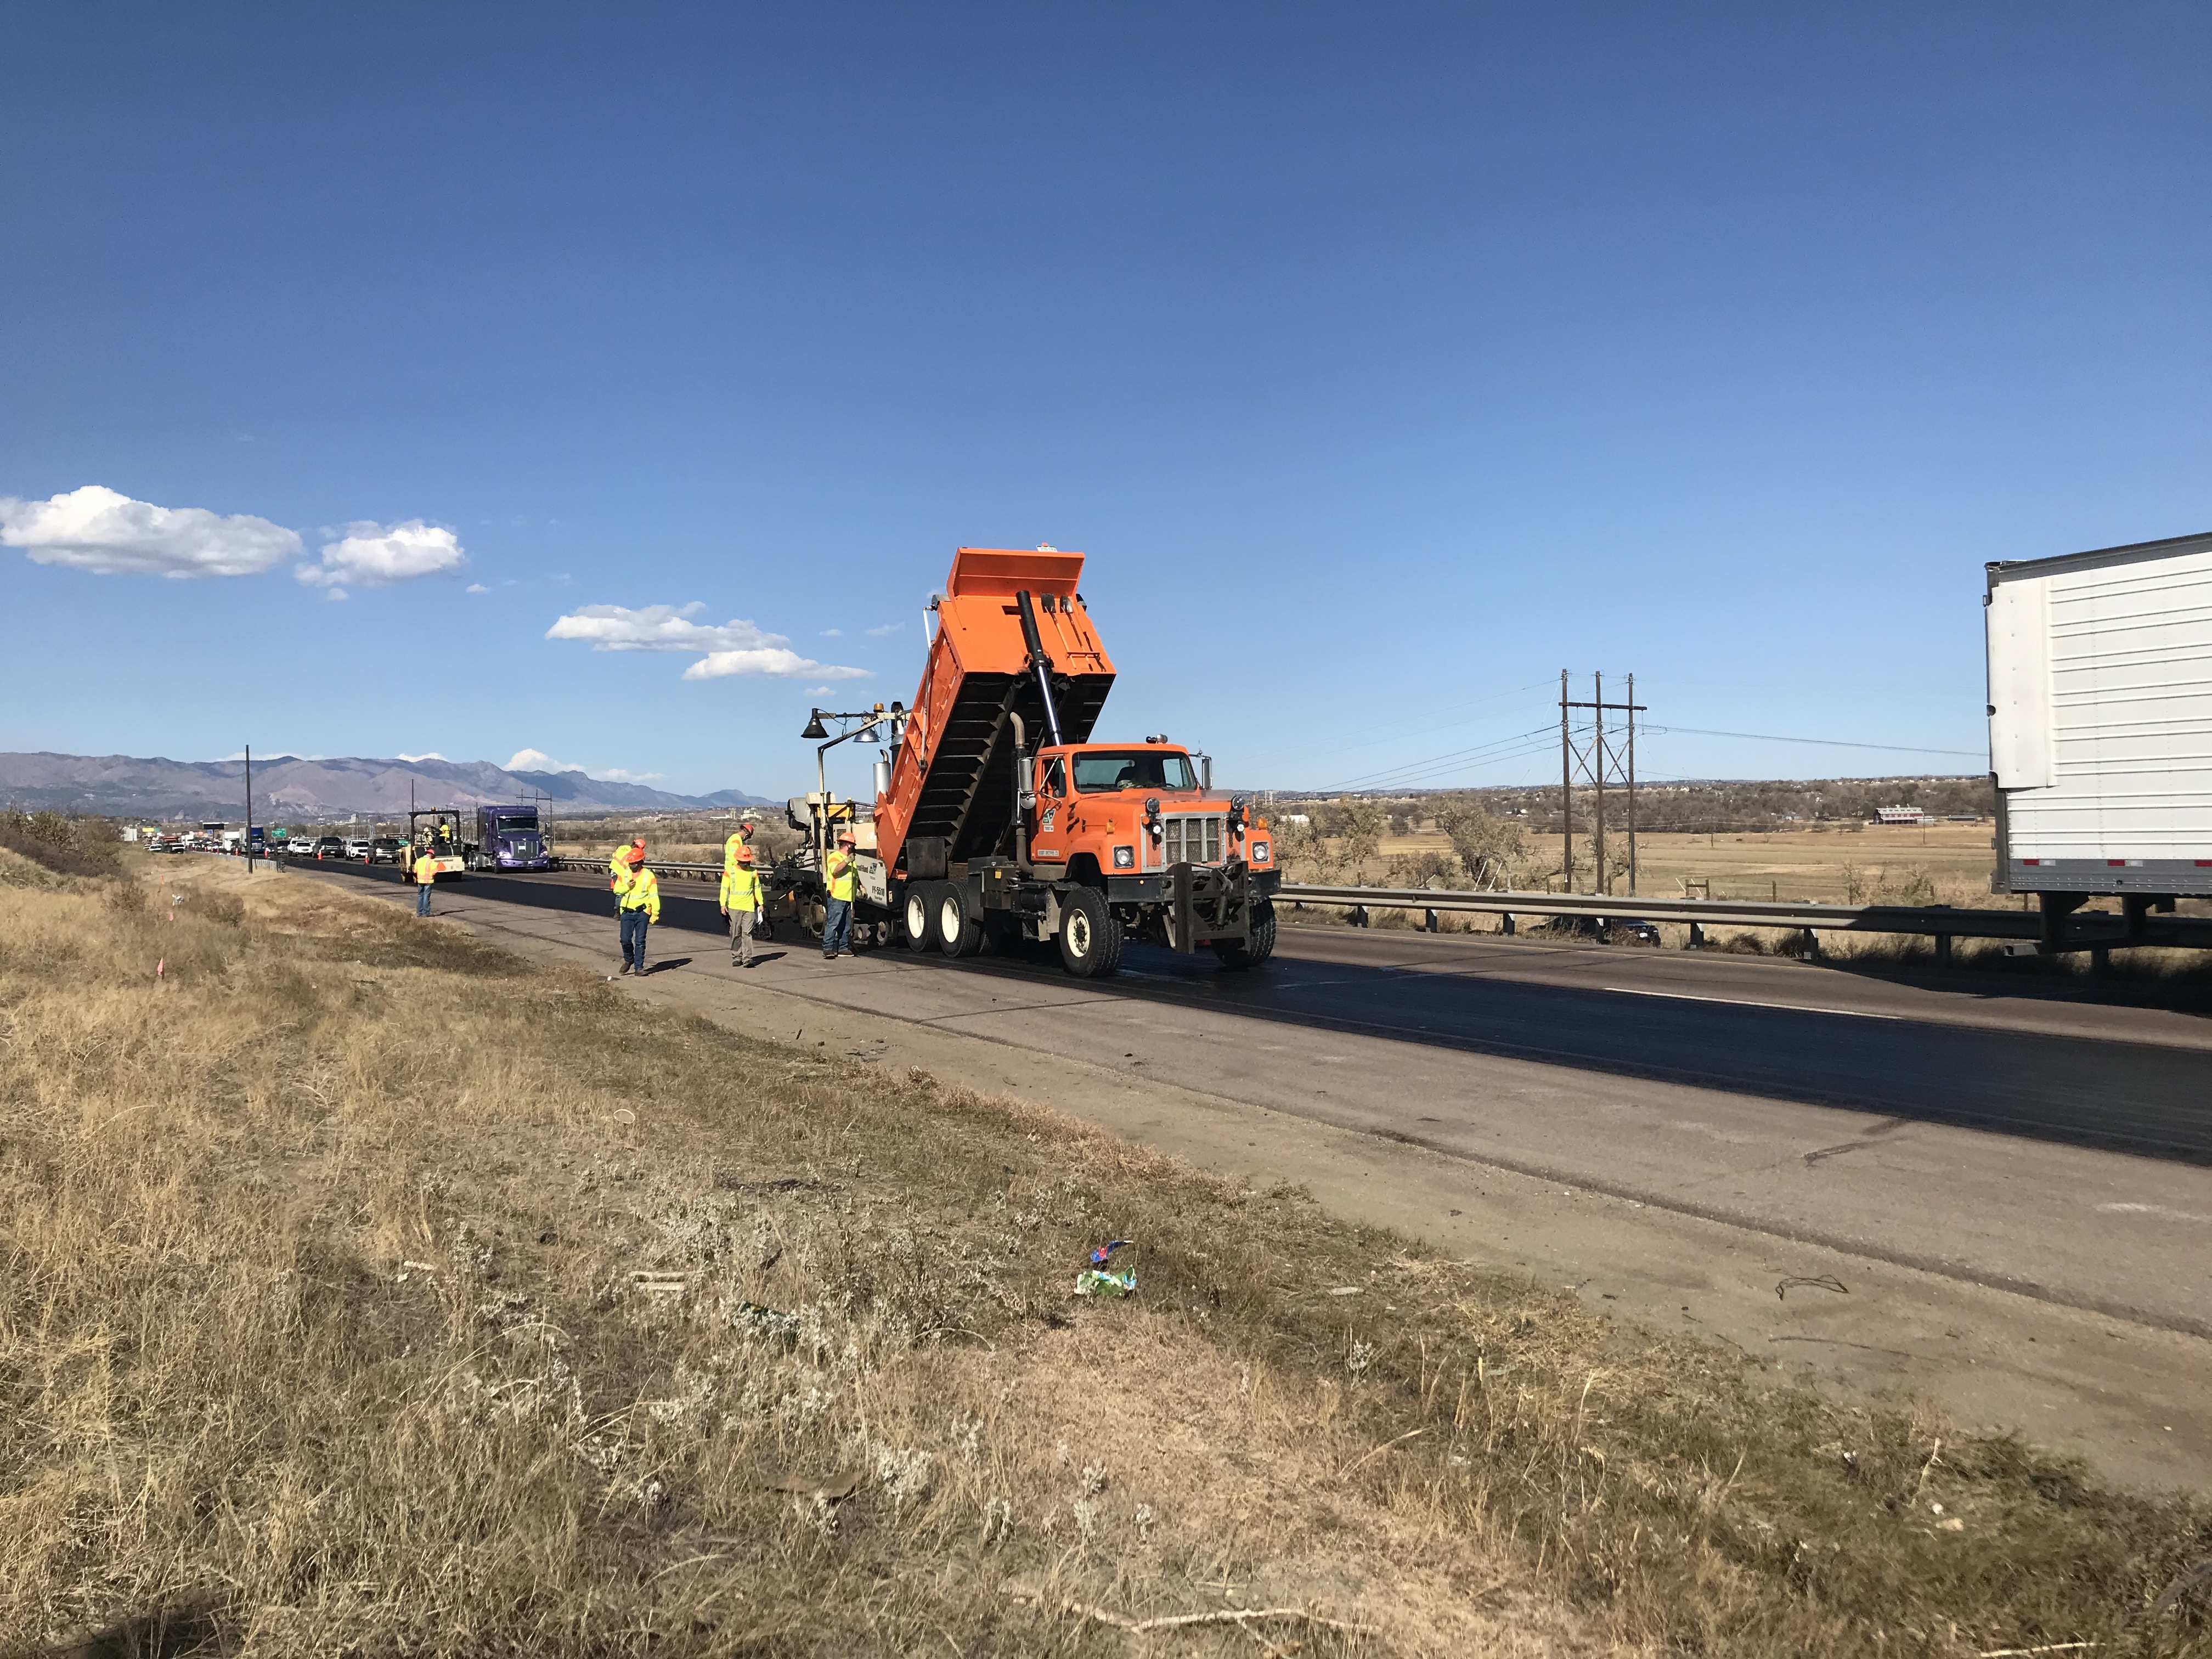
column 1825, row 743
column 1446, row 708
column 1429, row 762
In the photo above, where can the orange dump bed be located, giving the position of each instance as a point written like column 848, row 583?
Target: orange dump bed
column 952, row 792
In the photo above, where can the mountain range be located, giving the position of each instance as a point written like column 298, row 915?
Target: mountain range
column 285, row 787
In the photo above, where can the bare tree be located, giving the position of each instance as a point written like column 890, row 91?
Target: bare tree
column 1490, row 848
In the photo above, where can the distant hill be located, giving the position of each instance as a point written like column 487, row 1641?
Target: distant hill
column 284, row 787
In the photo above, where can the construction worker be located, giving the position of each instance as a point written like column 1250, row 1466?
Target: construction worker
column 837, row 914
column 741, row 903
column 641, row 907
column 425, row 872
column 742, row 836
column 618, row 869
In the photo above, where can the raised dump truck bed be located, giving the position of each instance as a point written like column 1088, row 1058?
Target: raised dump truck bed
column 997, row 819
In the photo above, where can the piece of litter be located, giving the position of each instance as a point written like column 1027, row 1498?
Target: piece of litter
column 659, row 1283
column 1098, row 1257
column 1347, row 1290
column 1093, row 1281
column 1950, row 1523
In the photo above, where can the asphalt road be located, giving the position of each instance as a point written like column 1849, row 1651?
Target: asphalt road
column 1776, row 1030
column 2010, row 1175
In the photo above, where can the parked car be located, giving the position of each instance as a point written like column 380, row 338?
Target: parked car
column 386, row 849
column 329, row 846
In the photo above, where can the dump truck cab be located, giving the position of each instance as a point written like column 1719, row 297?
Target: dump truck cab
column 996, row 818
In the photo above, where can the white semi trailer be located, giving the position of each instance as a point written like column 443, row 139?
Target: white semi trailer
column 2100, row 726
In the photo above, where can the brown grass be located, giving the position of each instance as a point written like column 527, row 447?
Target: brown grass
column 321, row 1335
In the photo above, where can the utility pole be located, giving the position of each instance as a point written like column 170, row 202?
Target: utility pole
column 249, row 809
column 1600, row 764
column 1566, row 791
column 1601, row 878
column 1631, row 785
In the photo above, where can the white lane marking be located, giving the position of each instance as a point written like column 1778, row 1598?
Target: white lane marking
column 1733, row 1002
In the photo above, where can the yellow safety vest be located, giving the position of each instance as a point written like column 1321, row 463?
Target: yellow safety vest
column 618, row 871
column 643, row 893
column 426, row 870
column 741, row 887
column 839, row 875
column 730, row 852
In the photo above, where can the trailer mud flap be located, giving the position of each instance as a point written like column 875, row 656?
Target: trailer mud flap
column 1206, row 904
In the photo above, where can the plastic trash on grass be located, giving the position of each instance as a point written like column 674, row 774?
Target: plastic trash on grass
column 1099, row 1279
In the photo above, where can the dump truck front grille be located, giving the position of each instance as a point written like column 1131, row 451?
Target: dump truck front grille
column 1191, row 840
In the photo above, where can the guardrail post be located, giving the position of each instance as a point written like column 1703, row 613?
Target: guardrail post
column 1505, row 923
column 1696, row 936
column 1359, row 915
column 1812, row 944
column 1942, row 949
column 1431, row 921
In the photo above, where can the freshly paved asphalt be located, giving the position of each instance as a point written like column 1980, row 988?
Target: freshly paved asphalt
column 1778, row 1031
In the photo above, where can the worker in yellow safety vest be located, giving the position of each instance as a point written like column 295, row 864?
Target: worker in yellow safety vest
column 837, row 889
column 425, row 872
column 641, row 907
column 741, row 903
column 743, row 836
column 618, row 868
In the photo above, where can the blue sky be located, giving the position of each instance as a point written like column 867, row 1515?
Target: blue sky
column 1385, row 361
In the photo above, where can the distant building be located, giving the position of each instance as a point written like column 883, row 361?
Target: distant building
column 1901, row 815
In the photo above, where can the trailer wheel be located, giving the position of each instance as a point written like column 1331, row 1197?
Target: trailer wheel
column 917, row 914
column 1089, row 934
column 959, row 930
column 1241, row 953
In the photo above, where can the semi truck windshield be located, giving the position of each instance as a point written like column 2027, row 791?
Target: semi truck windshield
column 509, row 823
column 1103, row 774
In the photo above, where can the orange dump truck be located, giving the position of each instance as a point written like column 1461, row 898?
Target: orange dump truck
column 998, row 820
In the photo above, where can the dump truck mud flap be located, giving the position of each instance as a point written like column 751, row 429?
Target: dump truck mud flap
column 1208, row 905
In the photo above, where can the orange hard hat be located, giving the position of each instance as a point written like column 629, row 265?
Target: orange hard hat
column 637, row 841
column 744, row 855
column 637, row 852
column 845, row 838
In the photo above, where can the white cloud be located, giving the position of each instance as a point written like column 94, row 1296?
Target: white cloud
column 888, row 628
column 99, row 530
column 536, row 760
column 729, row 648
column 335, row 593
column 833, row 632
column 433, row 754
column 372, row 554
column 476, row 587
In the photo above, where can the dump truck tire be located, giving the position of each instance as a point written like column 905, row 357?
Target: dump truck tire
column 918, row 915
column 959, row 928
column 1089, row 934
column 1241, row 953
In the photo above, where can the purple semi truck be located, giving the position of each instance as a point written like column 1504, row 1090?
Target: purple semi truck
column 508, row 838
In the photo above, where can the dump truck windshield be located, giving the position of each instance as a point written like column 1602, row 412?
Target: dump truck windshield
column 1102, row 774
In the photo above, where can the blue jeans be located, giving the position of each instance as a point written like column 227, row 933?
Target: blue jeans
column 422, row 898
column 838, row 926
column 633, row 924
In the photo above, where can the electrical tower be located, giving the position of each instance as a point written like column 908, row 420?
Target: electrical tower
column 1599, row 763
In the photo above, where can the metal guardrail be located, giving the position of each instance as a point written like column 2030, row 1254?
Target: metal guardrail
column 2082, row 930
column 682, row 871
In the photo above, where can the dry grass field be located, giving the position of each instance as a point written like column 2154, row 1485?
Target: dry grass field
column 369, row 1293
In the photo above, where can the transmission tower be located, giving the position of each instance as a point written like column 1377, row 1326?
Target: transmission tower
column 1587, row 754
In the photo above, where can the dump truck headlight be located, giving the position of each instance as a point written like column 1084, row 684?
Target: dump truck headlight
column 1259, row 852
column 1124, row 858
